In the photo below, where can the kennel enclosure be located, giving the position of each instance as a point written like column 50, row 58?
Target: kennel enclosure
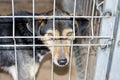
column 96, row 56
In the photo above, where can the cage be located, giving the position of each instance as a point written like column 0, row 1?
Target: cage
column 93, row 57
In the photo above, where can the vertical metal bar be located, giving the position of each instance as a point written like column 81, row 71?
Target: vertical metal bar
column 82, row 6
column 104, row 54
column 52, row 67
column 74, row 17
column 87, row 61
column 86, row 12
column 14, row 40
column 33, row 18
column 113, row 70
column 70, row 66
column 85, row 2
column 93, row 7
column 95, row 21
column 99, row 6
column 80, row 75
column 90, row 5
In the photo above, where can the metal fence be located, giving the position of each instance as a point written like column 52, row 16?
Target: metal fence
column 97, row 55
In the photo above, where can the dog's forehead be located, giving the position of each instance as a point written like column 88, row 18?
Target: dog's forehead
column 60, row 26
column 63, row 24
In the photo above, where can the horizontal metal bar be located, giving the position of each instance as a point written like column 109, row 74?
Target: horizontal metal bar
column 99, row 37
column 29, row 45
column 50, row 17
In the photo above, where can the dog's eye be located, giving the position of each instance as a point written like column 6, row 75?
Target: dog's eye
column 49, row 34
column 69, row 33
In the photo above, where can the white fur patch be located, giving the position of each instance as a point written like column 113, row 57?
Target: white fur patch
column 11, row 70
column 41, row 57
column 33, row 70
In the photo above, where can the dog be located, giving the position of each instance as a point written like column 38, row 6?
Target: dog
column 26, row 67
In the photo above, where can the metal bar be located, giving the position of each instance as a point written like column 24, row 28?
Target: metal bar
column 87, row 6
column 90, row 5
column 98, row 37
column 79, row 63
column 70, row 65
column 29, row 45
column 50, row 17
column 87, row 61
column 98, row 6
column 95, row 20
column 33, row 17
column 13, row 18
column 103, row 55
column 85, row 2
column 114, row 63
column 82, row 7
column 52, row 66
column 92, row 25
column 71, row 53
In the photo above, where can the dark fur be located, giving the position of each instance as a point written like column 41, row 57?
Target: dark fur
column 6, row 29
column 24, row 54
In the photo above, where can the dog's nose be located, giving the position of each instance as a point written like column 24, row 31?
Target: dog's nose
column 62, row 61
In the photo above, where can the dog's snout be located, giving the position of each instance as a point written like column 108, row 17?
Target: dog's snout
column 62, row 61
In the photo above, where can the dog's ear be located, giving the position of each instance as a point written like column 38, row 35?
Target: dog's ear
column 37, row 24
column 28, row 22
column 80, row 25
column 29, row 25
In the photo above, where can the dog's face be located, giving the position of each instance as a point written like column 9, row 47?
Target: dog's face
column 62, row 28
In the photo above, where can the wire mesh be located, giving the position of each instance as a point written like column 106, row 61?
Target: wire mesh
column 91, row 11
column 16, row 66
